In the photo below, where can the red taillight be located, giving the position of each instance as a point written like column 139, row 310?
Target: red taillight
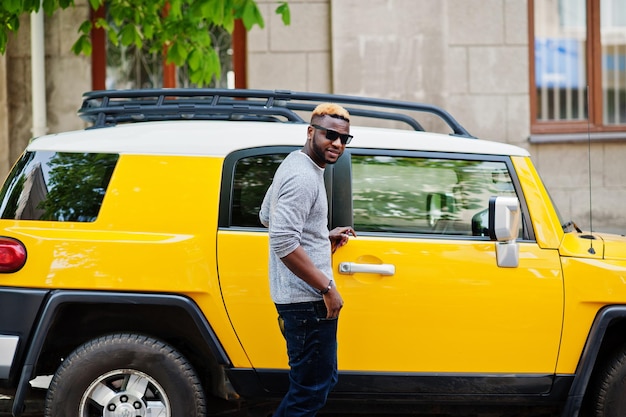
column 12, row 255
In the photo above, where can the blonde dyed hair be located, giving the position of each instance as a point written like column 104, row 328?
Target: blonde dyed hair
column 332, row 110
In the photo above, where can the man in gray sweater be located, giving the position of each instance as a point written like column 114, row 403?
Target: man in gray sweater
column 295, row 210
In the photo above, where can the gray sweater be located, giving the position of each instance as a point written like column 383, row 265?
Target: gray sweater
column 295, row 210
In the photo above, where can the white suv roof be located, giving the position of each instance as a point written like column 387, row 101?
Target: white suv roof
column 219, row 138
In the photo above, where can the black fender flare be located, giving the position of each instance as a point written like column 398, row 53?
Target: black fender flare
column 589, row 356
column 59, row 297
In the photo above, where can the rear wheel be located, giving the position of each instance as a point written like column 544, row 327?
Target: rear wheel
column 125, row 375
column 610, row 388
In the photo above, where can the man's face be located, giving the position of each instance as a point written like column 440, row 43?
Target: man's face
column 319, row 147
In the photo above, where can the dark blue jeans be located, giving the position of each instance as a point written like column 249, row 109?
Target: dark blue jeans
column 312, row 350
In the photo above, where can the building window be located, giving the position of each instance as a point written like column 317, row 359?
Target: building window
column 127, row 67
column 579, row 77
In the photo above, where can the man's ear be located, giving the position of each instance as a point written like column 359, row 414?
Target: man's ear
column 309, row 132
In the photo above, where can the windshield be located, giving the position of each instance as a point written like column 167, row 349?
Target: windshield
column 568, row 226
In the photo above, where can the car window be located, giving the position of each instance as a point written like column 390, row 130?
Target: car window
column 253, row 176
column 426, row 195
column 65, row 187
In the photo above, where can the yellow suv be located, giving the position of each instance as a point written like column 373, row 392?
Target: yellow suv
column 133, row 267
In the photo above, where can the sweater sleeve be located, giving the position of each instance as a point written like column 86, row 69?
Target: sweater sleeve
column 289, row 211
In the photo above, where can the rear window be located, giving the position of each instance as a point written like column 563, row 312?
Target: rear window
column 55, row 186
column 253, row 176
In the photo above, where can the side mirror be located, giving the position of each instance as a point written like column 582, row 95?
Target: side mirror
column 504, row 220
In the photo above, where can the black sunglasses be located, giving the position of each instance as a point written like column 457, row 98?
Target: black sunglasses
column 332, row 135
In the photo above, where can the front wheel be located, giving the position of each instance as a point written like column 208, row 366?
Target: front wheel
column 125, row 375
column 609, row 399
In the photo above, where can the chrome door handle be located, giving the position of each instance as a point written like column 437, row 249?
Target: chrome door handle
column 353, row 268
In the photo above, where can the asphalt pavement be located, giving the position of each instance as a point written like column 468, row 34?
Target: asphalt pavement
column 37, row 403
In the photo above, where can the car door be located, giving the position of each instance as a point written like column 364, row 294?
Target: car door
column 423, row 292
column 242, row 256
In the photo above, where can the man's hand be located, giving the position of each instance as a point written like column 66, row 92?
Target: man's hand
column 333, row 302
column 339, row 236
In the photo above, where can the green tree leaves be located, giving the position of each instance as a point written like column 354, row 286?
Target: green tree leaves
column 179, row 27
column 283, row 11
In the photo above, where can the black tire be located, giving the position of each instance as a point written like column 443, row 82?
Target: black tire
column 609, row 398
column 125, row 374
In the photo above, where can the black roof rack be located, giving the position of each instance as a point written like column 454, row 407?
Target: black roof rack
column 110, row 107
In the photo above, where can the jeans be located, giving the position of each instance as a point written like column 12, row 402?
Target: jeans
column 312, row 350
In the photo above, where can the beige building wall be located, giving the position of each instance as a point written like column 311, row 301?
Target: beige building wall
column 295, row 57
column 469, row 56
